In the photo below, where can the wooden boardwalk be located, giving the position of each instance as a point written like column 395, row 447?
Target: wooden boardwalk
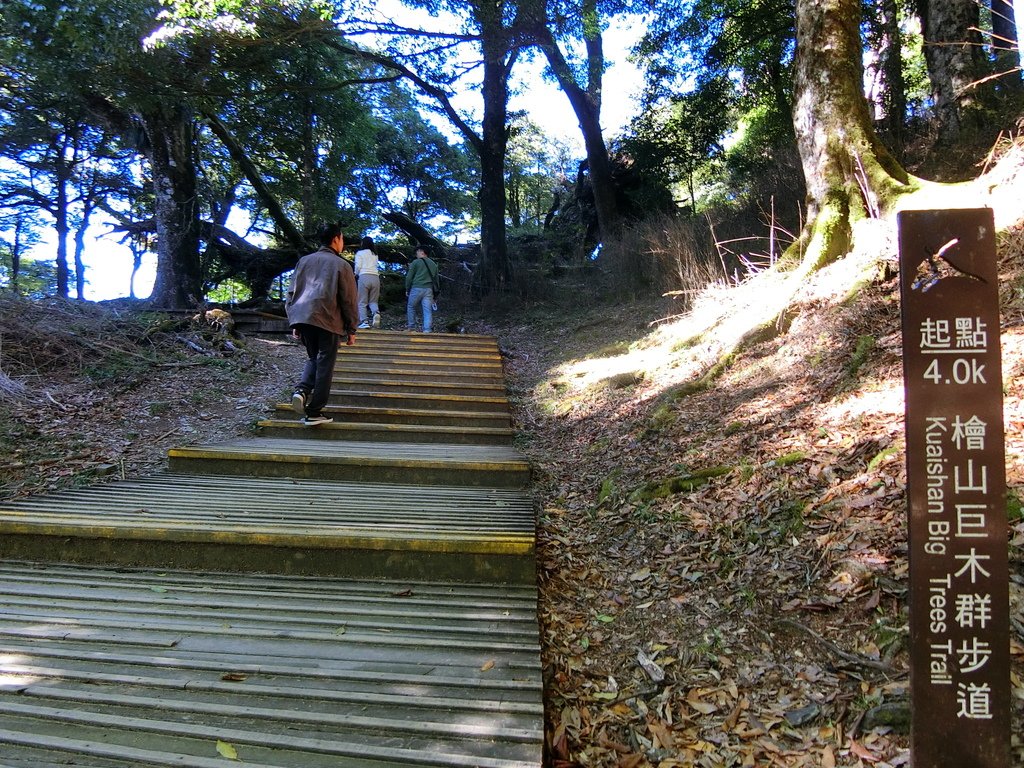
column 355, row 594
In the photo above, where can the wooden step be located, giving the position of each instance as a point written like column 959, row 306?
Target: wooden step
column 409, row 416
column 430, row 386
column 281, row 525
column 374, row 337
column 290, row 426
column 416, row 375
column 438, row 369
column 412, row 463
column 419, row 354
column 164, row 668
column 417, row 401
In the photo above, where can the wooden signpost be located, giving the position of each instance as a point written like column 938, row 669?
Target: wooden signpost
column 956, row 489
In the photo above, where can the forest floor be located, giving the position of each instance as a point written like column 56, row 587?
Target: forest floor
column 755, row 615
column 724, row 571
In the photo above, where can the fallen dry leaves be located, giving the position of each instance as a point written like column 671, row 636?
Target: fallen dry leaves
column 757, row 618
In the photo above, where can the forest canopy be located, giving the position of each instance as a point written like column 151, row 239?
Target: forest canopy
column 773, row 124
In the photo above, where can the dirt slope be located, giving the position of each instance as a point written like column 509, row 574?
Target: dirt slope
column 724, row 573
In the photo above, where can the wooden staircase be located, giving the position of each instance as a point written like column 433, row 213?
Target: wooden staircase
column 359, row 593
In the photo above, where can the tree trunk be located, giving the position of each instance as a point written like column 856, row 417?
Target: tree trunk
column 62, row 173
column 587, row 106
column 308, row 174
column 1004, row 42
column 80, row 250
column 848, row 171
column 20, row 229
column 951, row 43
column 494, row 269
column 253, row 175
column 178, row 275
column 894, row 94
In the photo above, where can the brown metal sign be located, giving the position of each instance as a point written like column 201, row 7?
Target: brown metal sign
column 956, row 489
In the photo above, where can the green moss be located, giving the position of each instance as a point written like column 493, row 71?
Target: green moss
column 704, row 382
column 609, row 487
column 625, row 379
column 733, row 427
column 660, row 489
column 1014, row 508
column 789, row 458
column 865, row 345
column 880, row 458
column 662, row 417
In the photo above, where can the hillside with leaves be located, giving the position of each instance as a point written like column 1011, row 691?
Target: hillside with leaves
column 723, row 560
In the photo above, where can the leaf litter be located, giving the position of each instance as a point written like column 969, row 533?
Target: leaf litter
column 756, row 618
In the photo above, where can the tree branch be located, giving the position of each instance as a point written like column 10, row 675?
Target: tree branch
column 255, row 178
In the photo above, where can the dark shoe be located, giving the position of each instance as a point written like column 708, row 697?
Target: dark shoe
column 298, row 402
column 312, row 421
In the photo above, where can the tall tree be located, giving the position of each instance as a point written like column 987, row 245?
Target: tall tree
column 1005, row 42
column 735, row 52
column 23, row 231
column 849, row 173
column 952, row 52
column 427, row 59
column 884, row 40
column 91, row 56
column 583, row 87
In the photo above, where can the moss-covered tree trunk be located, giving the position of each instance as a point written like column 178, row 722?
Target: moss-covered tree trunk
column 849, row 173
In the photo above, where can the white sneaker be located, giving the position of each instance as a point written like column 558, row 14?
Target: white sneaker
column 363, row 325
column 298, row 402
column 312, row 421
column 376, row 319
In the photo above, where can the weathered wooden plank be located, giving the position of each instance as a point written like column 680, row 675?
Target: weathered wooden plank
column 286, row 424
column 293, row 588
column 420, row 401
column 283, row 687
column 128, row 667
column 408, row 722
column 489, row 466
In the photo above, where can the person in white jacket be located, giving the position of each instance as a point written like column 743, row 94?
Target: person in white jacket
column 369, row 284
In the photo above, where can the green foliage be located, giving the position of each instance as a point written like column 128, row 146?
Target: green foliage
column 534, row 166
column 681, row 142
column 229, row 292
column 861, row 353
column 36, row 279
column 1014, row 507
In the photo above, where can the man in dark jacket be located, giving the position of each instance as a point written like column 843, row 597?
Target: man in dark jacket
column 321, row 309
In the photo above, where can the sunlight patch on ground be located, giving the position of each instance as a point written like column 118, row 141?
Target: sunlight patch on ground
column 582, row 374
column 13, row 673
column 888, row 400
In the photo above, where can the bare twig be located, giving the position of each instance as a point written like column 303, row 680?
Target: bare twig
column 850, row 658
